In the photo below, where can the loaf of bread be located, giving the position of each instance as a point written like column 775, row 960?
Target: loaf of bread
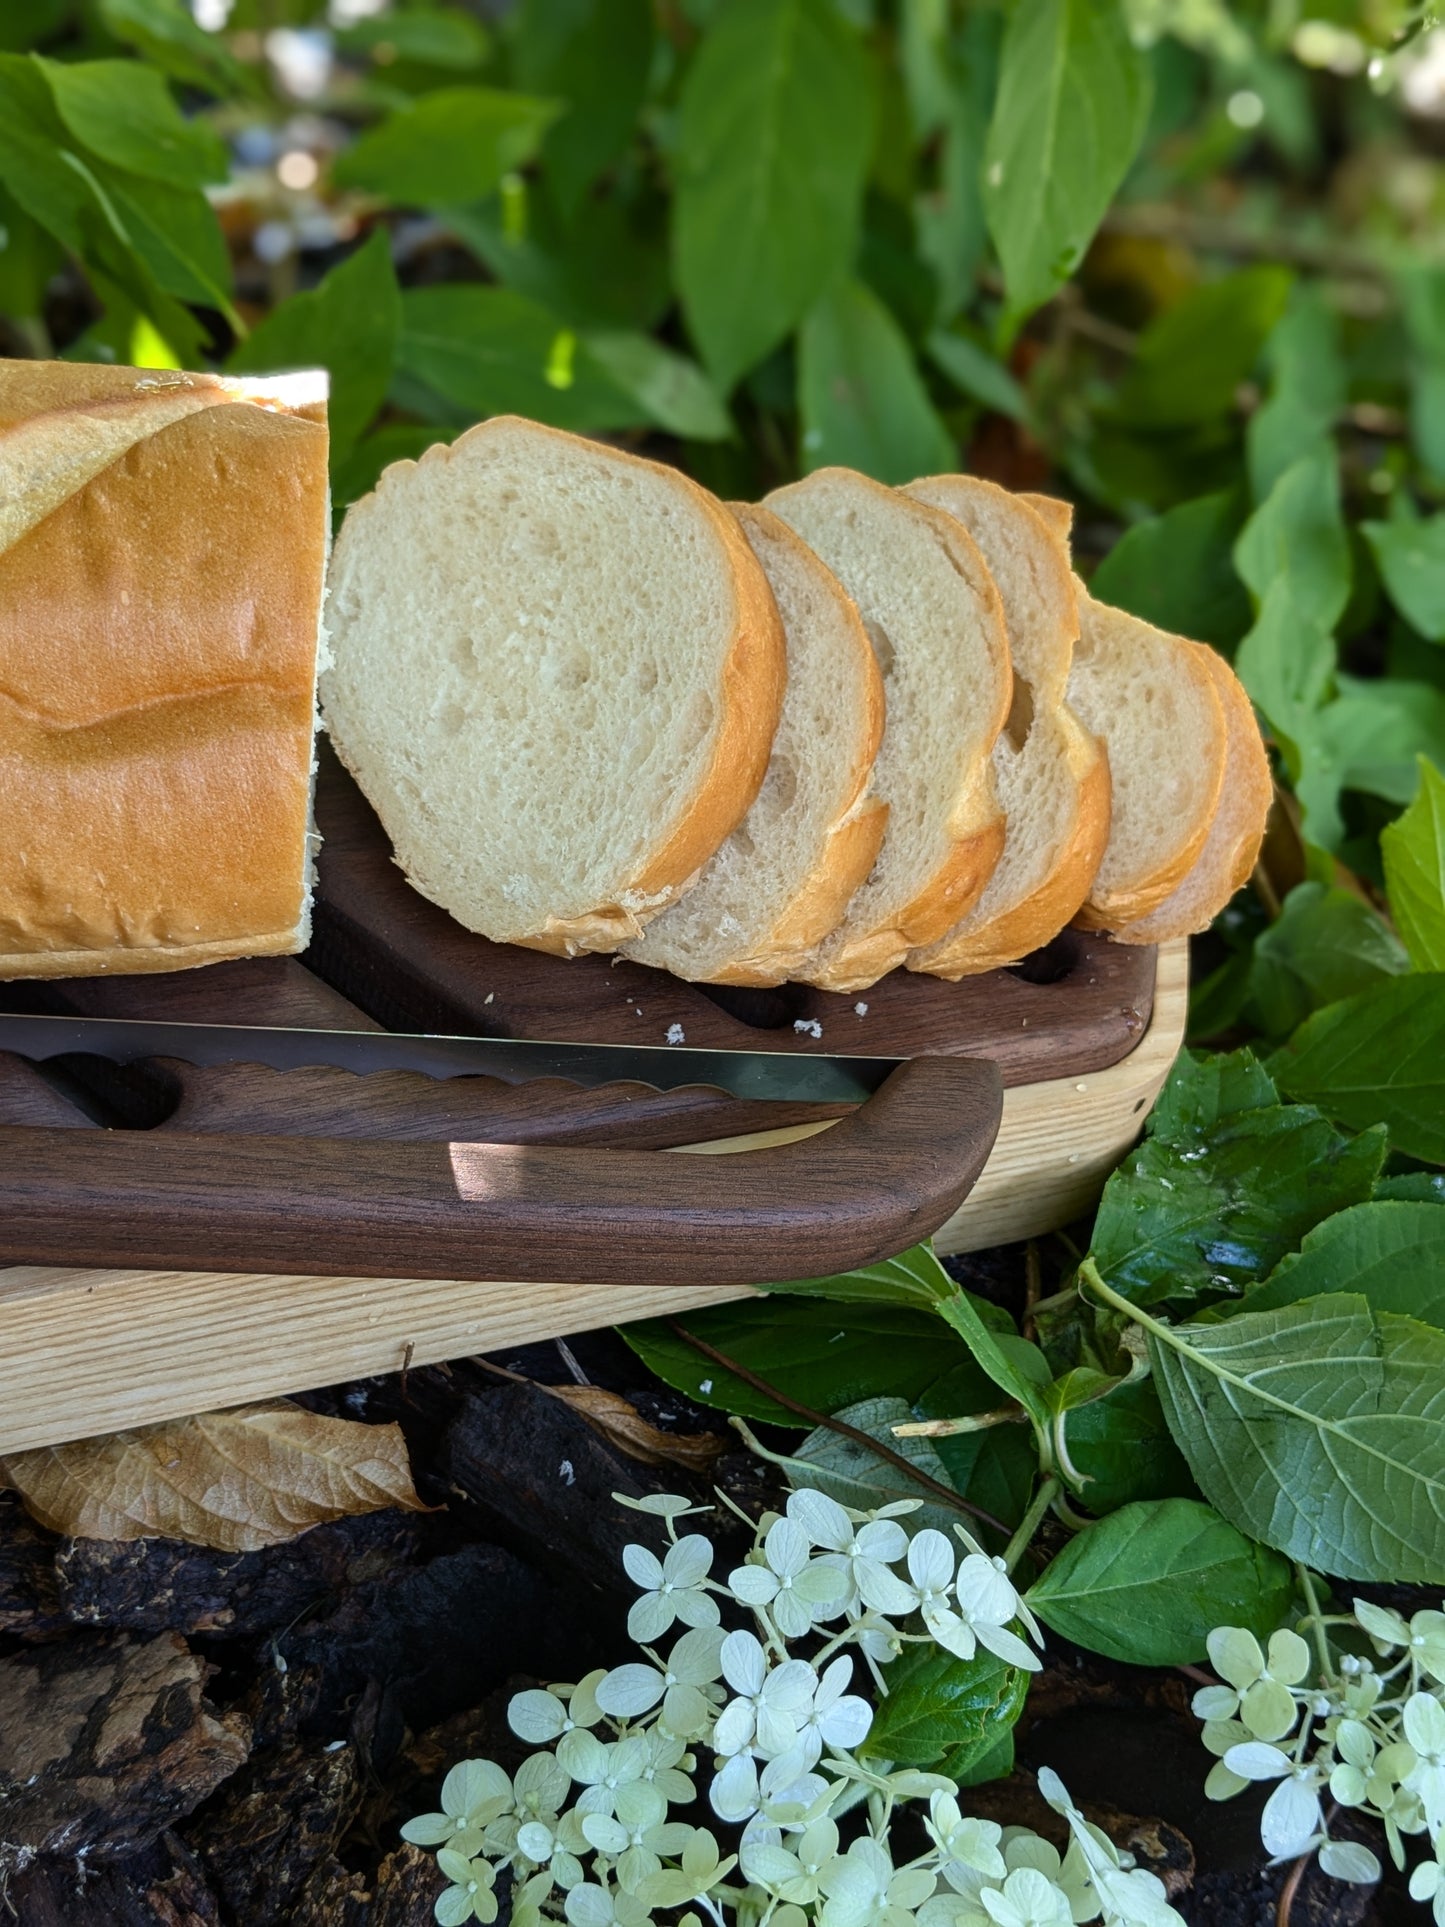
column 162, row 557
column 557, row 672
column 934, row 618
column 782, row 880
column 1051, row 774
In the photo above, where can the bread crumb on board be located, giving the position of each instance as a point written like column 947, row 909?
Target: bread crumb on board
column 860, row 1010
column 809, row 1026
column 676, row 1034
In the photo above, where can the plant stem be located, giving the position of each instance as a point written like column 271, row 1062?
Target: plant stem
column 947, row 1428
column 1312, row 1600
column 1029, row 1524
column 945, row 1493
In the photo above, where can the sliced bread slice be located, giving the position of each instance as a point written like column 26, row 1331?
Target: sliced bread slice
column 1051, row 774
column 1232, row 847
column 1151, row 698
column 557, row 673
column 934, row 618
column 783, row 879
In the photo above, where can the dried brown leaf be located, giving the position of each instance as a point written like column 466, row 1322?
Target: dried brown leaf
column 235, row 1481
column 610, row 1415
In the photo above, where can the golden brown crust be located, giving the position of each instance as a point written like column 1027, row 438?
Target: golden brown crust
column 157, row 648
column 1232, row 849
column 1059, row 515
column 1039, row 917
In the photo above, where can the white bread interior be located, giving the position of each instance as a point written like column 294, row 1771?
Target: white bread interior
column 782, row 880
column 556, row 674
column 1153, row 700
column 1051, row 774
column 935, row 621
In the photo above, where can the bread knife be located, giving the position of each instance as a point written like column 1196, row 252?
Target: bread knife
column 795, row 1076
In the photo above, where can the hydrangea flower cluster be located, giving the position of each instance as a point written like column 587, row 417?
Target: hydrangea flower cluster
column 585, row 1832
column 1360, row 1721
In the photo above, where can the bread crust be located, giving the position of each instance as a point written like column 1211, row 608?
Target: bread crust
column 1231, row 850
column 1111, row 909
column 158, row 634
column 1057, row 514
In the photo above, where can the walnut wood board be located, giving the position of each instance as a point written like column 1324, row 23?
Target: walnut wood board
column 89, row 1351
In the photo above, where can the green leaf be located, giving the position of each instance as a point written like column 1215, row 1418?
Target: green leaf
column 914, row 1277
column 1318, row 1429
column 430, row 36
column 948, row 220
column 122, row 110
column 861, row 398
column 1177, row 571
column 1378, row 1057
column 1190, row 363
column 1411, row 559
column 1325, row 945
column 349, row 325
column 1071, row 109
column 454, row 145
column 1376, row 731
column 165, row 32
column 33, row 145
column 939, row 1706
column 1391, row 1253
column 1181, row 1219
column 1015, row 1366
column 1413, row 848
column 609, row 270
column 849, row 1472
column 811, row 1350
column 774, row 134
column 975, row 372
column 175, row 232
column 596, row 56
column 1123, row 1448
column 1298, row 533
column 1204, row 1091
column 490, row 351
column 1309, row 390
column 1149, row 1584
column 671, row 390
column 1286, row 663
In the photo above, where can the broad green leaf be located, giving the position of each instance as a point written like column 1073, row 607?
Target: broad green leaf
column 948, row 220
column 1391, row 1252
column 940, row 1707
column 490, row 351
column 1318, row 1429
column 608, row 270
column 1413, row 848
column 1325, row 945
column 914, row 1277
column 454, row 145
column 970, row 1767
column 1191, row 361
column 849, row 1472
column 1205, row 1090
column 774, row 134
column 1149, row 1584
column 1287, row 664
column 122, row 110
column 348, row 325
column 860, row 396
column 1422, row 300
column 1308, row 390
column 431, row 36
column 1411, row 558
column 671, row 389
column 1179, row 1220
column 25, row 23
column 1071, row 109
column 175, row 232
column 1376, row 1058
column 817, row 1353
column 1376, row 731
column 1298, row 532
column 1122, row 1447
column 1413, row 1187
column 596, row 56
column 166, row 33
column 974, row 371
column 29, row 260
column 1017, row 1367
column 1177, row 571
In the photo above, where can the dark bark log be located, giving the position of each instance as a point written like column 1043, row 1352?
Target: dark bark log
column 164, row 1886
column 29, row 1597
column 273, row 1826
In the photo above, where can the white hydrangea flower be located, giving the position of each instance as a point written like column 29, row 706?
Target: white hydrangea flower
column 474, row 1794
column 699, row 1870
column 771, row 1703
column 1427, row 1881
column 987, row 1601
column 794, row 1587
column 863, row 1890
column 1027, row 1898
column 987, row 1591
column 1424, row 1724
column 470, row 1896
column 540, row 1716
column 637, row 1848
column 593, row 1905
column 1264, row 1702
column 1292, row 1821
column 681, row 1684
column 554, row 1850
column 603, row 1769
column 785, row 1795
column 969, row 1846
column 672, row 1588
column 836, row 1717
column 861, row 1547
column 1129, row 1894
column 794, row 1875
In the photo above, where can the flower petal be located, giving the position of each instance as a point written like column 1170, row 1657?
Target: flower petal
column 1291, row 1819
column 689, row 1561
column 744, row 1662
column 753, row 1585
column 629, row 1690
column 642, row 1567
column 1008, row 1646
column 930, row 1561
column 1235, row 1655
column 1256, row 1761
column 1289, row 1657
column 822, row 1518
column 786, row 1547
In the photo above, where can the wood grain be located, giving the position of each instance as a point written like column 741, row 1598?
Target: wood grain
column 91, row 1351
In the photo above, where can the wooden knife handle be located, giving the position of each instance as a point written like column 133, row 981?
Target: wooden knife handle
column 875, row 1182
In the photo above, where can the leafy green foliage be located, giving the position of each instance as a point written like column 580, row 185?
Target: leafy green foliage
column 1326, row 944
column 1123, row 1450
column 1149, row 1583
column 1413, row 848
column 773, row 138
column 452, row 145
column 1073, row 100
column 1189, row 363
column 1411, row 558
column 1177, row 571
column 1391, row 1252
column 862, row 400
column 939, row 1707
column 1376, row 1057
column 125, row 113
column 595, row 55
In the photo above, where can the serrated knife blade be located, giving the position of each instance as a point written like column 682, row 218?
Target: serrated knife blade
column 794, row 1076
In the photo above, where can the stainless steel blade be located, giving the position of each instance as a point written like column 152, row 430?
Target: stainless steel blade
column 796, row 1075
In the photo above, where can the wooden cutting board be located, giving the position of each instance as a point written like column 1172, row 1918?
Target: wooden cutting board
column 1082, row 1036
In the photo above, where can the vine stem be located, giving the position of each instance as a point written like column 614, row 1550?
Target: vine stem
column 1317, row 1624
column 1029, row 1524
column 945, row 1493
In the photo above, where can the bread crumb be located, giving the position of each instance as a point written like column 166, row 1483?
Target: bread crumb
column 809, row 1025
column 860, row 1010
column 489, row 996
column 675, row 1033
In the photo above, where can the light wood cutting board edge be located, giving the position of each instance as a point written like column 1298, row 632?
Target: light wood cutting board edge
column 88, row 1352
